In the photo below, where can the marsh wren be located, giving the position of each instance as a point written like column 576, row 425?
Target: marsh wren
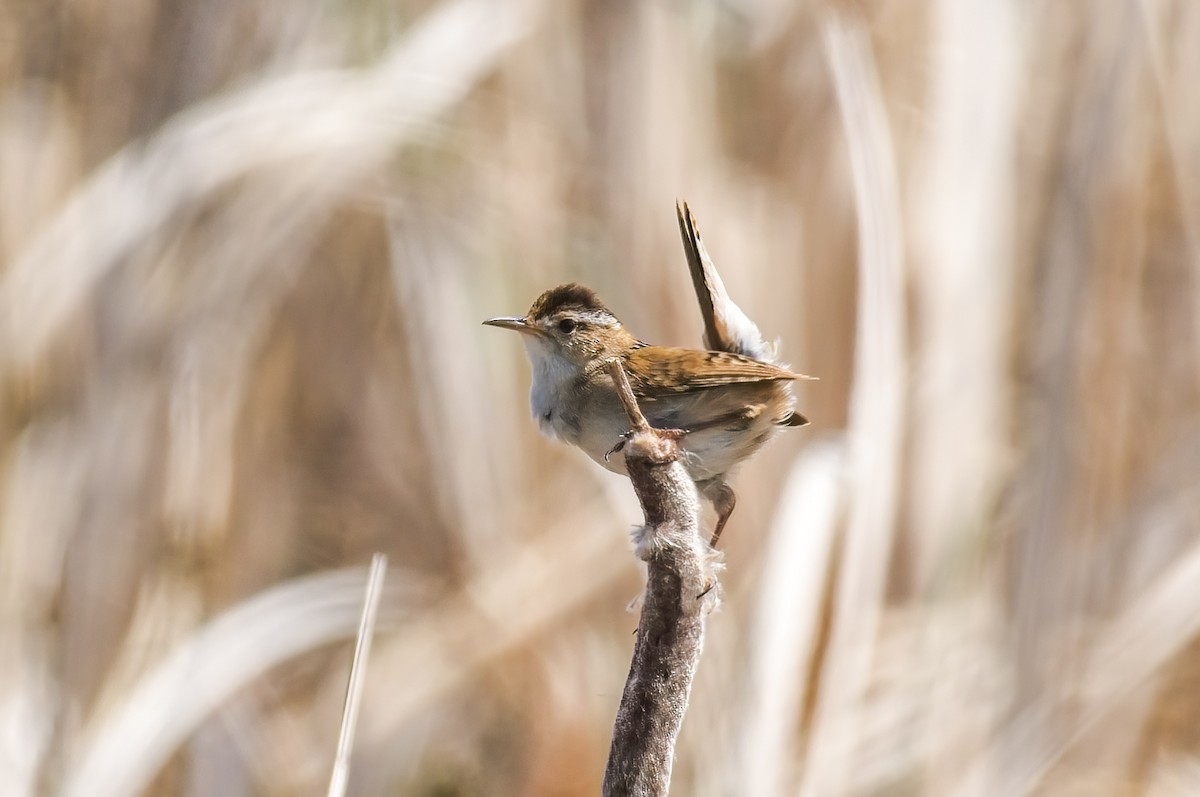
column 728, row 401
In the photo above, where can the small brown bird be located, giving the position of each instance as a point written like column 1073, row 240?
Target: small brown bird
column 729, row 400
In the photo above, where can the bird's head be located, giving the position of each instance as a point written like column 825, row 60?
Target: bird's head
column 569, row 323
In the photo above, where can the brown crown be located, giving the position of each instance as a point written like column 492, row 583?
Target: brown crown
column 572, row 296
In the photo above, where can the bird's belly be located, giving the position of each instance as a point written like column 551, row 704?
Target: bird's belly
column 705, row 453
column 712, row 453
column 597, row 430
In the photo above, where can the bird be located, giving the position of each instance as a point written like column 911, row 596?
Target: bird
column 727, row 400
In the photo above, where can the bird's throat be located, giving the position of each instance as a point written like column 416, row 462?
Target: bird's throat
column 554, row 378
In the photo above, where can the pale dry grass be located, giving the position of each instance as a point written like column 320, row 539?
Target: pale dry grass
column 246, row 250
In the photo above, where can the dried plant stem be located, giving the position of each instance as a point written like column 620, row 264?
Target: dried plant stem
column 130, row 743
column 876, row 412
column 358, row 672
column 680, row 591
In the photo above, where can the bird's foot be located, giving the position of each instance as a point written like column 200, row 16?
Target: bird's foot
column 620, row 445
column 673, row 434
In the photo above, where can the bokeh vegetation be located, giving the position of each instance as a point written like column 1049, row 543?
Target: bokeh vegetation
column 246, row 249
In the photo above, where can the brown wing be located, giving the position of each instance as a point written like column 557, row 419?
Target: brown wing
column 655, row 370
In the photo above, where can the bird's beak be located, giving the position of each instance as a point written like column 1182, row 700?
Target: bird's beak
column 513, row 322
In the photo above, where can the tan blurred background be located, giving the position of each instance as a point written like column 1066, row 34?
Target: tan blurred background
column 246, row 250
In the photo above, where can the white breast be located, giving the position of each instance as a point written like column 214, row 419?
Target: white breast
column 552, row 377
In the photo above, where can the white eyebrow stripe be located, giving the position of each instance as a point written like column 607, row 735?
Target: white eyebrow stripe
column 597, row 317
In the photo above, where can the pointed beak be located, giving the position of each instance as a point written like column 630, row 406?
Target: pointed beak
column 513, row 322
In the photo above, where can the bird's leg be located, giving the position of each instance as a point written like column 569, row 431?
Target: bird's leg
column 723, row 500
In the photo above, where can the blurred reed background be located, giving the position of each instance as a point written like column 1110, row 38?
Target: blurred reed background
column 246, row 251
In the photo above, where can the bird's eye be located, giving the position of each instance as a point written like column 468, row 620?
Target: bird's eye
column 567, row 326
